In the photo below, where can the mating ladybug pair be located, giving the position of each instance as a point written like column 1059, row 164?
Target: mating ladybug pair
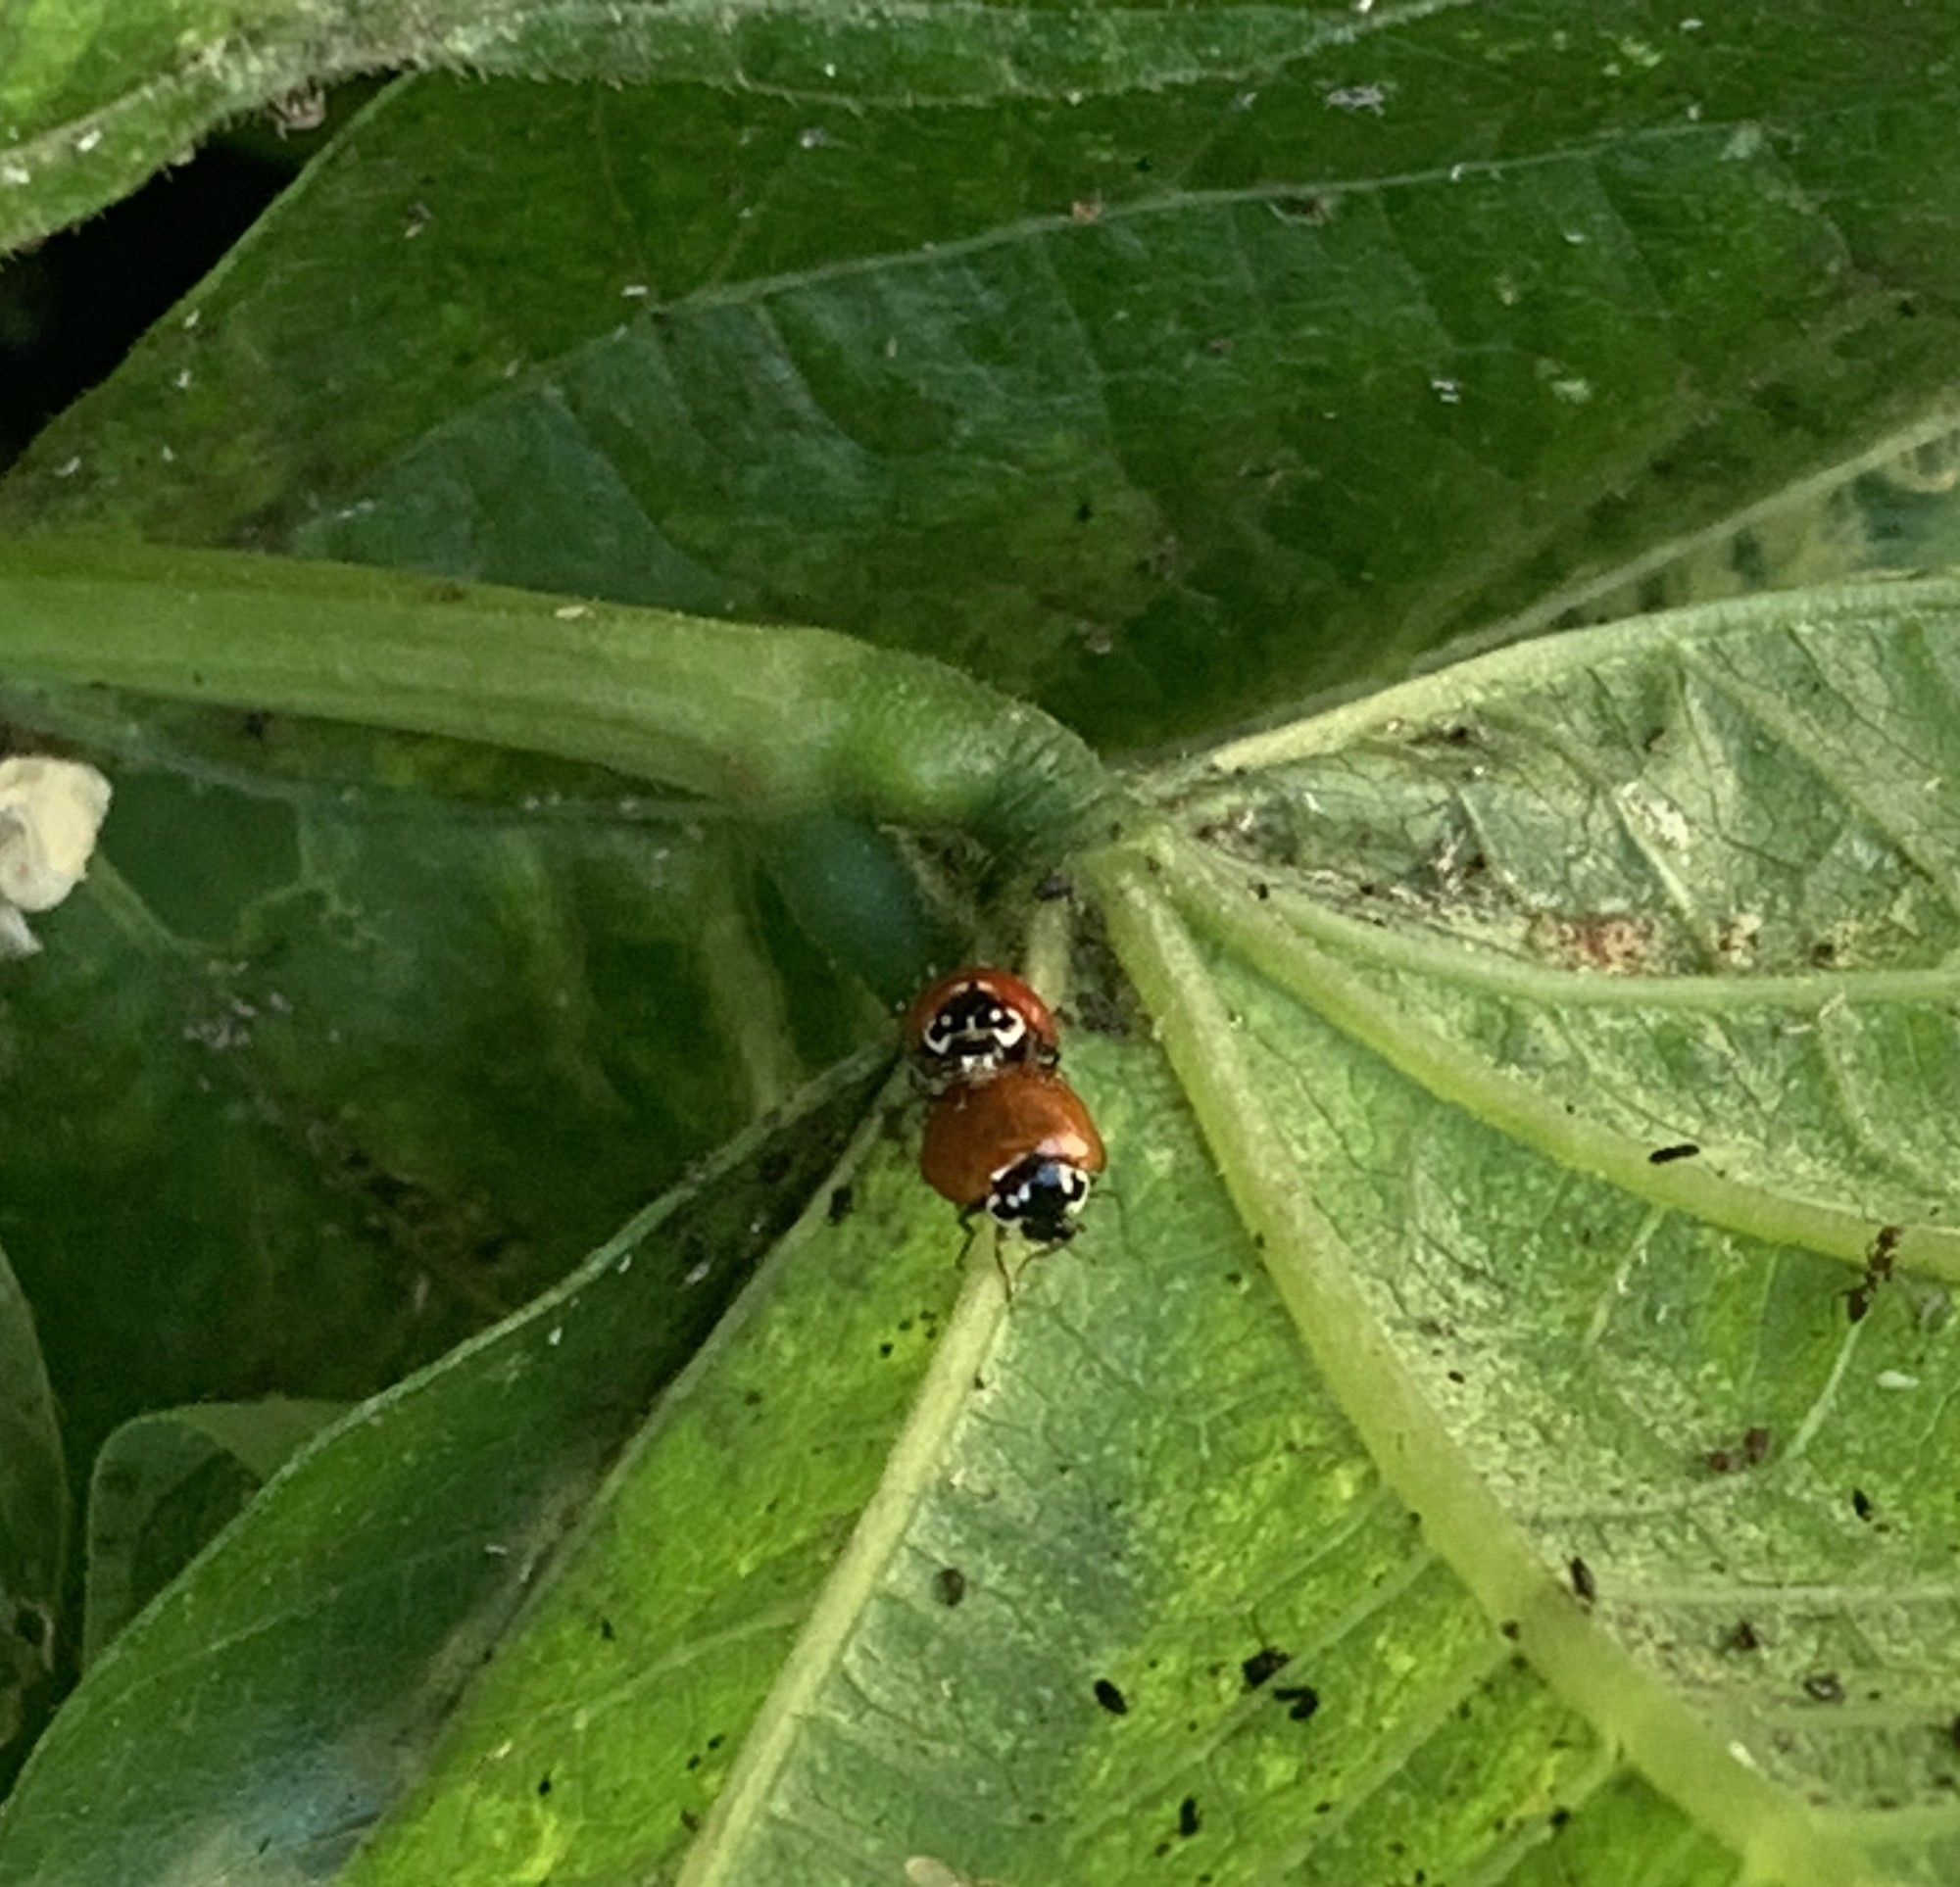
column 1005, row 1135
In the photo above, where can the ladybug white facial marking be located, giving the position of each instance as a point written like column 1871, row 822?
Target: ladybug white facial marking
column 971, row 1028
column 1039, row 1195
column 970, row 1025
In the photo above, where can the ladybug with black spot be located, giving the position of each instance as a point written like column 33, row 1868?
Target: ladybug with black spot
column 1019, row 1146
column 973, row 1023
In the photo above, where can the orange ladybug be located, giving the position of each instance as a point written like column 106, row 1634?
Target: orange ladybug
column 1020, row 1148
column 973, row 1023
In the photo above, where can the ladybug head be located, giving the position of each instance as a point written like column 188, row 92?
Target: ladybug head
column 1042, row 1196
column 973, row 1027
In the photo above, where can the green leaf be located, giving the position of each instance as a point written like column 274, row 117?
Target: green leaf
column 881, row 1634
column 1154, row 365
column 1031, row 1651
column 1578, row 1028
column 291, row 1682
column 1632, row 870
column 1466, row 958
column 96, row 97
column 364, row 1040
column 34, row 1517
column 166, row 1485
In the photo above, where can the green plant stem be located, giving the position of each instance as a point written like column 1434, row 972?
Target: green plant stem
column 769, row 720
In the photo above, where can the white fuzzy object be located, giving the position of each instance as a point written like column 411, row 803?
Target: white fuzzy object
column 50, row 814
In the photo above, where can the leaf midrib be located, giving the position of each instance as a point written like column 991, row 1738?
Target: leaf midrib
column 1467, row 964
column 1519, row 1110
column 743, row 1805
column 913, row 1465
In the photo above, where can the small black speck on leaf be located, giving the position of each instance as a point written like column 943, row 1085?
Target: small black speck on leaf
column 544, row 1785
column 951, row 1585
column 1084, row 512
column 1861, row 1503
column 1742, row 1637
column 715, row 1742
column 1584, row 1587
column 1512, row 1630
column 606, row 1631
column 1756, row 1446
column 1263, row 1664
column 842, row 1202
column 1953, row 1732
column 773, row 1166
column 1559, row 1817
column 1823, row 1686
column 1111, row 1698
column 1667, row 1155
column 1187, row 1819
column 689, row 1821
column 884, row 1349
column 1304, row 1699
column 1262, row 891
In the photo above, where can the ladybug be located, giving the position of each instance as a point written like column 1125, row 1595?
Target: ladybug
column 1020, row 1148
column 971, row 1023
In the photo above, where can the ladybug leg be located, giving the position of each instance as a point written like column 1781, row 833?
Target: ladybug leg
column 1008, row 1282
column 973, row 1230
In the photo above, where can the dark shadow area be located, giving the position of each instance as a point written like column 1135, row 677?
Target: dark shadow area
column 73, row 307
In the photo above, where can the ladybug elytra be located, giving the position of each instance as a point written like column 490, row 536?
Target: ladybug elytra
column 1020, row 1148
